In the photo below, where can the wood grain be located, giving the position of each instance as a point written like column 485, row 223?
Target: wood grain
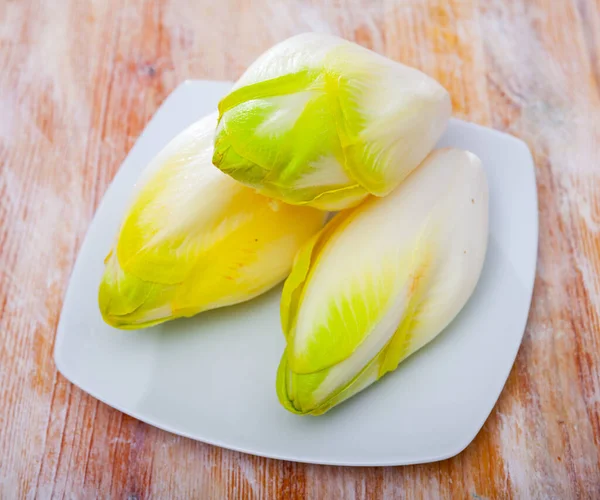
column 78, row 82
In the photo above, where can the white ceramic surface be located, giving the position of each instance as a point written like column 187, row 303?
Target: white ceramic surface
column 212, row 377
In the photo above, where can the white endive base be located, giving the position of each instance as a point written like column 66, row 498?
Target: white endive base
column 212, row 377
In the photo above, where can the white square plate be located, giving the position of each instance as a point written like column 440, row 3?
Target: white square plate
column 212, row 377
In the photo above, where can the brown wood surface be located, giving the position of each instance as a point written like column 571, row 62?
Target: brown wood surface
column 78, row 82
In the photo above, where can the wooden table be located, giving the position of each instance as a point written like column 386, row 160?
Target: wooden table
column 78, row 82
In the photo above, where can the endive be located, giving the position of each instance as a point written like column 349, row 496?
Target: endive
column 381, row 281
column 321, row 121
column 194, row 239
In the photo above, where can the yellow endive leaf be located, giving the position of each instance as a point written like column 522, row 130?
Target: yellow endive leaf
column 371, row 290
column 194, row 239
column 320, row 121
